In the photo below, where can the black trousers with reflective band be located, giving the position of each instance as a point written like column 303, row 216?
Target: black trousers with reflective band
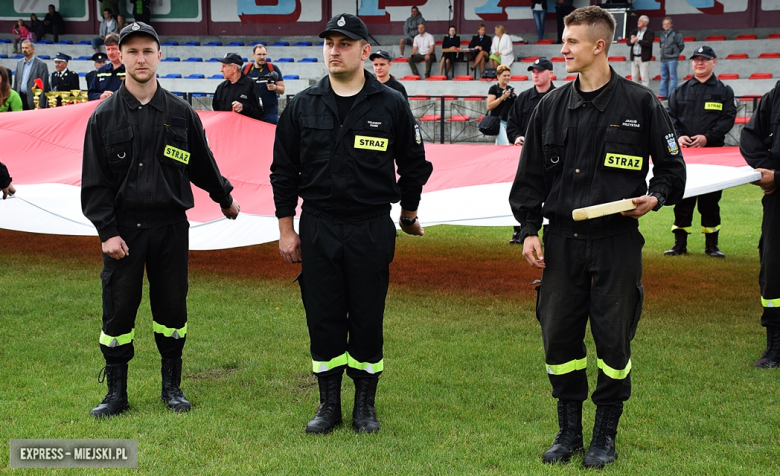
column 599, row 279
column 164, row 252
column 709, row 208
column 769, row 253
column 344, row 277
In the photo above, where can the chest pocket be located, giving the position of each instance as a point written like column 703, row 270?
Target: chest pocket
column 317, row 131
column 372, row 139
column 175, row 152
column 554, row 148
column 624, row 151
column 119, row 149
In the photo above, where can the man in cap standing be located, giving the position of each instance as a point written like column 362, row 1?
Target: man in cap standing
column 108, row 78
column 99, row 60
column 337, row 146
column 238, row 92
column 63, row 79
column 143, row 147
column 382, row 62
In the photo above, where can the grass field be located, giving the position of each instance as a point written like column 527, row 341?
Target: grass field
column 464, row 391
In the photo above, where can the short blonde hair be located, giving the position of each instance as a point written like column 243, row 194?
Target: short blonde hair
column 501, row 68
column 500, row 28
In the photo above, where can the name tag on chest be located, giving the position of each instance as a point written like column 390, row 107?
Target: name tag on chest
column 177, row 154
column 713, row 106
column 621, row 161
column 371, row 143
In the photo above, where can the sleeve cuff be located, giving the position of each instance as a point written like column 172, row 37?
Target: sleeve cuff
column 285, row 212
column 410, row 205
column 226, row 202
column 107, row 233
column 526, row 231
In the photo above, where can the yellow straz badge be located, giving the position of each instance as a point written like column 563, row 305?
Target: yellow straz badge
column 620, row 161
column 177, row 154
column 713, row 106
column 371, row 143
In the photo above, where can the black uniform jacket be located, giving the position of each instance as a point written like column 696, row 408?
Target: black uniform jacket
column 106, row 79
column 244, row 91
column 349, row 168
column 486, row 43
column 65, row 81
column 759, row 141
column 395, row 84
column 521, row 112
column 703, row 108
column 578, row 154
column 139, row 162
column 5, row 178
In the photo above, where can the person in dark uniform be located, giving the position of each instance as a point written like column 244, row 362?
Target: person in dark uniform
column 590, row 142
column 99, row 60
column 703, row 110
column 337, row 146
column 5, row 182
column 142, row 10
column 142, row 148
column 759, row 143
column 237, row 93
column 382, row 62
column 63, row 79
column 480, row 45
column 517, row 123
column 268, row 78
column 450, row 40
column 109, row 78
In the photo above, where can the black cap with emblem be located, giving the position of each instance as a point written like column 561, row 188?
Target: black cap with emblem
column 137, row 28
column 99, row 58
column 705, row 52
column 231, row 58
column 541, row 64
column 380, row 54
column 62, row 57
column 347, row 24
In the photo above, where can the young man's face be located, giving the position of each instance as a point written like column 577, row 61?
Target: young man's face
column 381, row 68
column 140, row 54
column 260, row 55
column 415, row 12
column 421, row 28
column 578, row 50
column 541, row 78
column 343, row 56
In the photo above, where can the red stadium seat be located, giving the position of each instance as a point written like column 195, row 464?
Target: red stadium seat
column 617, row 58
column 652, row 59
column 761, row 76
column 737, row 56
column 657, row 77
column 728, row 76
column 746, row 37
column 773, row 36
column 570, row 77
column 459, row 118
column 689, row 39
column 430, row 117
column 630, row 78
column 519, row 78
column 656, row 39
column 716, row 38
column 475, row 97
column 769, row 55
column 688, row 78
column 436, row 78
column 741, row 120
column 545, row 42
column 411, row 77
column 440, row 43
column 622, row 40
column 419, row 98
column 558, row 59
column 462, row 78
column 681, row 58
column 529, row 59
column 553, row 77
column 450, row 98
column 400, row 60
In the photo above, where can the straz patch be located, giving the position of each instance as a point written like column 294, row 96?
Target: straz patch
column 371, row 143
column 713, row 106
column 671, row 144
column 177, row 154
column 621, row 161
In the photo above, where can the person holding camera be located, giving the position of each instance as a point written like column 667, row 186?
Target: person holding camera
column 269, row 82
column 501, row 98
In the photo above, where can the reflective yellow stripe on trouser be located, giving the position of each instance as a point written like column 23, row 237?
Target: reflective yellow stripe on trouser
column 686, row 229
column 366, row 366
column 169, row 332
column 770, row 302
column 617, row 374
column 114, row 341
column 570, row 366
column 710, row 229
column 346, row 359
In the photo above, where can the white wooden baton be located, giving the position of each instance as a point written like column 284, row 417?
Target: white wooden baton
column 596, row 211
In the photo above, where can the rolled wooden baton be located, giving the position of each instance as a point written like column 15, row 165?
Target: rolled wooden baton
column 596, row 211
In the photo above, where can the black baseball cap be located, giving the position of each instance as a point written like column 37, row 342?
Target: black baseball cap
column 231, row 58
column 704, row 52
column 541, row 64
column 137, row 28
column 347, row 24
column 380, row 54
column 99, row 57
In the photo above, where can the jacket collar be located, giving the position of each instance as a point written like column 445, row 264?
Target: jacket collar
column 157, row 101
column 601, row 101
column 323, row 88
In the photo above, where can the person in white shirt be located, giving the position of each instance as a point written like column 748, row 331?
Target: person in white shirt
column 501, row 52
column 422, row 51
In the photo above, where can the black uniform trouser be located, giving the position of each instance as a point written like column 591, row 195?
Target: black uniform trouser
column 345, row 271
column 769, row 253
column 709, row 209
column 600, row 278
column 164, row 251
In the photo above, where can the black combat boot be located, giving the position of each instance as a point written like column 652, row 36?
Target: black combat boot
column 711, row 245
column 329, row 412
column 680, row 244
column 771, row 356
column 602, row 446
column 364, row 414
column 115, row 401
column 171, row 391
column 569, row 437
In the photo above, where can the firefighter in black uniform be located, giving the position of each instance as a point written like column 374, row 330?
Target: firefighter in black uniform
column 589, row 142
column 63, row 79
column 335, row 147
column 99, row 60
column 759, row 143
column 108, row 78
column 702, row 111
column 143, row 147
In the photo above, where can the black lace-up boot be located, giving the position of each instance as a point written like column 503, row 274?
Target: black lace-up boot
column 329, row 412
column 171, row 391
column 680, row 244
column 569, row 438
column 711, row 245
column 364, row 418
column 602, row 446
column 771, row 356
column 115, row 401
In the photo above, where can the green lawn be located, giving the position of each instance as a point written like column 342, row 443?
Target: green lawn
column 464, row 391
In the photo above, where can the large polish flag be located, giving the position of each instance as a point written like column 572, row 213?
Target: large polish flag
column 469, row 186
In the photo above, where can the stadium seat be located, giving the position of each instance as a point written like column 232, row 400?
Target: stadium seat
column 570, row 77
column 728, row 76
column 285, row 60
column 196, row 76
column 459, row 118
column 558, row 59
column 84, row 42
column 308, row 60
column 741, row 120
column 172, row 76
column 463, row 78
column 82, row 74
column 47, row 57
column 84, row 58
column 213, row 43
column 553, row 77
column 281, row 43
column 321, row 43
column 465, row 43
column 681, row 58
column 201, row 95
column 5, row 40
column 172, row 58
column 761, row 76
column 400, row 60
column 64, row 42
column 529, row 59
column 194, row 59
column 737, row 56
column 236, row 43
column 657, row 77
column 3, row 56
column 17, row 57
column 688, row 39
column 622, row 40
column 746, row 37
column 617, row 58
column 715, row 38
column 290, row 76
column 773, row 36
column 192, row 43
column 170, row 43
column 419, row 98
column 439, row 43
column 687, row 78
column 258, row 43
column 45, row 42
column 475, row 97
column 518, row 77
column 656, row 39
column 629, row 77
column 652, row 58
column 545, row 42
column 430, row 117
column 216, row 76
column 411, row 77
column 769, row 55
column 436, row 78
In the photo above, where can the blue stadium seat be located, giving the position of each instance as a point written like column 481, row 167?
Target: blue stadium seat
column 216, row 76
column 44, row 42
column 212, row 60
column 321, row 43
column 195, row 59
column 3, row 55
column 172, row 58
column 303, row 43
column 44, row 57
column 213, row 43
column 17, row 56
column 170, row 43
column 172, row 76
column 244, row 60
column 192, row 43
column 82, row 75
column 259, row 43
column 65, row 42
column 236, row 43
column 196, row 76
column 285, row 60
column 83, row 58
column 180, row 94
column 5, row 40
column 202, row 95
column 84, row 42
column 308, row 60
column 291, row 76
column 281, row 43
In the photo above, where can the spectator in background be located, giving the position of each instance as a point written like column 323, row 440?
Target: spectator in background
column 22, row 33
column 108, row 25
column 480, row 45
column 99, row 60
column 641, row 44
column 269, row 82
column 5, row 181
column 423, row 50
column 671, row 44
column 9, row 99
column 382, row 62
column 501, row 50
column 142, row 10
column 120, row 22
column 36, row 26
column 562, row 8
column 28, row 69
column 63, row 79
column 539, row 8
column 237, row 93
column 53, row 23
column 112, row 5
column 108, row 78
column 451, row 40
column 501, row 98
column 410, row 29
